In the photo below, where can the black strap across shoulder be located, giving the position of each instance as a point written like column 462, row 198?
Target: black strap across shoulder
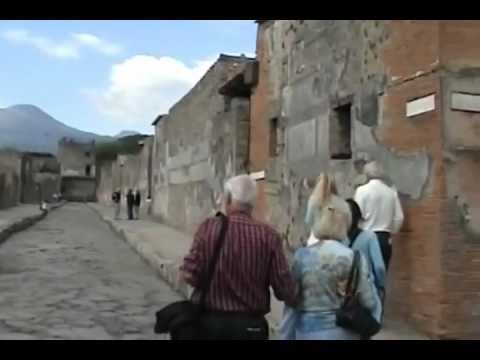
column 356, row 232
column 216, row 254
column 353, row 276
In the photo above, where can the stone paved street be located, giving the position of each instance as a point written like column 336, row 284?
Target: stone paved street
column 70, row 277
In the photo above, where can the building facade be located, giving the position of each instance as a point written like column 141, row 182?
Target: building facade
column 128, row 171
column 40, row 177
column 77, row 161
column 10, row 178
column 201, row 141
column 332, row 95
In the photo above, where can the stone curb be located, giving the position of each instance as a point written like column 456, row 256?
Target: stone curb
column 24, row 223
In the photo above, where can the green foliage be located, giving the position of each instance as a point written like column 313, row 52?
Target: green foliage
column 108, row 151
column 8, row 149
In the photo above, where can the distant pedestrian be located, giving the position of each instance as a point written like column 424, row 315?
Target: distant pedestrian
column 130, row 203
column 136, row 205
column 250, row 260
column 380, row 207
column 116, row 199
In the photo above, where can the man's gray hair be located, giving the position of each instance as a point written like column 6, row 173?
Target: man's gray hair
column 242, row 189
column 373, row 170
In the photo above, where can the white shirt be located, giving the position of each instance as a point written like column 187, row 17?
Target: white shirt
column 380, row 206
column 312, row 240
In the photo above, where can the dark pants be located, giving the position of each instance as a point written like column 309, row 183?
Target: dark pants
column 130, row 212
column 385, row 247
column 233, row 326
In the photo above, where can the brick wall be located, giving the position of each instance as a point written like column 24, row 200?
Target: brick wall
column 434, row 280
column 415, row 275
column 259, row 130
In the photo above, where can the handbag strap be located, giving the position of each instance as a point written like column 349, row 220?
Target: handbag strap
column 211, row 268
column 353, row 276
column 355, row 234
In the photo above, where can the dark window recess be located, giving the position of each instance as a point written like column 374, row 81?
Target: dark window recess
column 227, row 103
column 341, row 133
column 87, row 154
column 273, row 138
column 88, row 170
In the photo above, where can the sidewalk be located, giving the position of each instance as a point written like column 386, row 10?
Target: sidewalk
column 20, row 217
column 161, row 246
column 164, row 248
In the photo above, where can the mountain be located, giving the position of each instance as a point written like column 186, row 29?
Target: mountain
column 126, row 133
column 28, row 128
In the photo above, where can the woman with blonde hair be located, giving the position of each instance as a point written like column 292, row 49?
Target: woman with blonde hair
column 322, row 270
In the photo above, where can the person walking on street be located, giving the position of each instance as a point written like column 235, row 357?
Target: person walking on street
column 116, row 198
column 130, row 202
column 250, row 261
column 380, row 207
column 137, row 202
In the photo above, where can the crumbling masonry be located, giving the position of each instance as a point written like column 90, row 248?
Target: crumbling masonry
column 327, row 95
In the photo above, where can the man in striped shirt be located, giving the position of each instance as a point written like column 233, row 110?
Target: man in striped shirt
column 251, row 260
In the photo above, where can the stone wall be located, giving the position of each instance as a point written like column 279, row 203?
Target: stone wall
column 201, row 142
column 40, row 177
column 400, row 114
column 76, row 159
column 10, row 178
column 78, row 188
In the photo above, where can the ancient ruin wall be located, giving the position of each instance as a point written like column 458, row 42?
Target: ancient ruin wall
column 75, row 157
column 316, row 67
column 10, row 178
column 199, row 148
column 40, row 178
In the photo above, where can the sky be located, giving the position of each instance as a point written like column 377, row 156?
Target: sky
column 112, row 75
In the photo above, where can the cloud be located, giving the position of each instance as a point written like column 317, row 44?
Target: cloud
column 143, row 86
column 67, row 49
column 98, row 44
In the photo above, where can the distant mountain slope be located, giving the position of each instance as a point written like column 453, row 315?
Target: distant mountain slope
column 126, row 133
column 28, row 128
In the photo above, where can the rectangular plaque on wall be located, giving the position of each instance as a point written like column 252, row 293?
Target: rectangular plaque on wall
column 465, row 102
column 259, row 175
column 420, row 105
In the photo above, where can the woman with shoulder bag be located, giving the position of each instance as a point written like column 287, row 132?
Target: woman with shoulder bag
column 336, row 296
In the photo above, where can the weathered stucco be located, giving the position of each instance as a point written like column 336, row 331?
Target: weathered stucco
column 10, row 179
column 75, row 157
column 327, row 63
column 40, row 177
column 202, row 141
column 308, row 68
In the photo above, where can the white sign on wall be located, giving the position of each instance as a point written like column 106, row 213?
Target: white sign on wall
column 465, row 102
column 259, row 175
column 421, row 105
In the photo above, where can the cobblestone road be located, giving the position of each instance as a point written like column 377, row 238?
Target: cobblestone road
column 70, row 277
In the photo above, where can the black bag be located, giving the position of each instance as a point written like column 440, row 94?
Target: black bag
column 181, row 319
column 352, row 315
